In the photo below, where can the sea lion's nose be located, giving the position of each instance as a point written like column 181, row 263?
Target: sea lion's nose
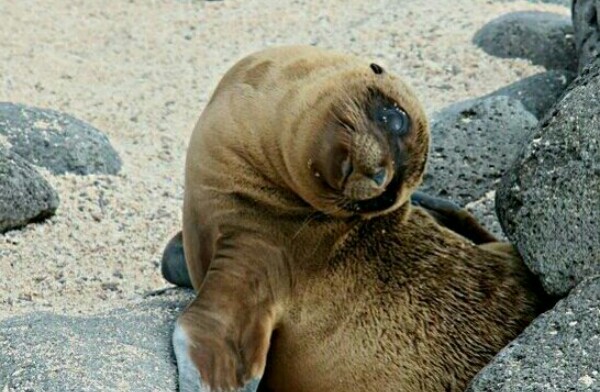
column 365, row 184
column 380, row 176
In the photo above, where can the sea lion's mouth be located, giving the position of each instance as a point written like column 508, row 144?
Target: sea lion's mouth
column 360, row 186
column 382, row 202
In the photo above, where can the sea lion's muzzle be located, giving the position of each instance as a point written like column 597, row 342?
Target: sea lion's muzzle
column 367, row 168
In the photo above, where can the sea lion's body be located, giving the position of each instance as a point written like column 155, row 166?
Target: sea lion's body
column 382, row 315
column 309, row 293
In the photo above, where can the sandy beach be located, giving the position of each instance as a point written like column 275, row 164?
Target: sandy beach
column 141, row 72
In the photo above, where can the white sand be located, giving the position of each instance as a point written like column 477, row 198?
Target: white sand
column 141, row 71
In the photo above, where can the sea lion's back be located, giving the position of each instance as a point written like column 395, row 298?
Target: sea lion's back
column 277, row 67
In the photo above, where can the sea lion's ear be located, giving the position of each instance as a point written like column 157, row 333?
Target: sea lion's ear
column 377, row 68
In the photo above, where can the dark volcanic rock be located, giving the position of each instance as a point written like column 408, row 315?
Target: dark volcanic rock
column 586, row 23
column 538, row 92
column 25, row 196
column 549, row 200
column 127, row 349
column 473, row 143
column 57, row 141
column 559, row 351
column 542, row 37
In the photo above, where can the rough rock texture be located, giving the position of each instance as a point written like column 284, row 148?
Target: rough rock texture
column 472, row 144
column 549, row 200
column 565, row 3
column 25, row 196
column 559, row 351
column 126, row 349
column 542, row 37
column 538, row 92
column 586, row 23
column 57, row 141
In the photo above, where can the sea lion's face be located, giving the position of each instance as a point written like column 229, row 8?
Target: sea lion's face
column 370, row 156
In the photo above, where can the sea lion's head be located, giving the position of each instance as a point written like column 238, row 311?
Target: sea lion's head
column 370, row 151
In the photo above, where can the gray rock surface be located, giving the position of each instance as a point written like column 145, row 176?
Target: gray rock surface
column 126, row 349
column 549, row 200
column 25, row 196
column 559, row 351
column 473, row 143
column 542, row 37
column 539, row 92
column 586, row 23
column 565, row 3
column 57, row 141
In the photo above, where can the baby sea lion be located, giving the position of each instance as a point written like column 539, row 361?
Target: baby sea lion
column 313, row 271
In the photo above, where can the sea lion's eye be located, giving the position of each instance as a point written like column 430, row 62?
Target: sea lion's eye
column 393, row 119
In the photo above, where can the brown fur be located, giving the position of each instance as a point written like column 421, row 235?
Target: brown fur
column 311, row 296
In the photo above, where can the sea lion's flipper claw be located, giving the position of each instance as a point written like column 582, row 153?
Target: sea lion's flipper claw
column 189, row 376
column 252, row 386
column 190, row 379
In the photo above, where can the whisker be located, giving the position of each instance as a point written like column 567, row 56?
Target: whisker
column 305, row 224
column 339, row 204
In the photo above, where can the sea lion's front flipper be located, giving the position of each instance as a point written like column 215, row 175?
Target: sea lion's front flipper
column 222, row 338
column 451, row 216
